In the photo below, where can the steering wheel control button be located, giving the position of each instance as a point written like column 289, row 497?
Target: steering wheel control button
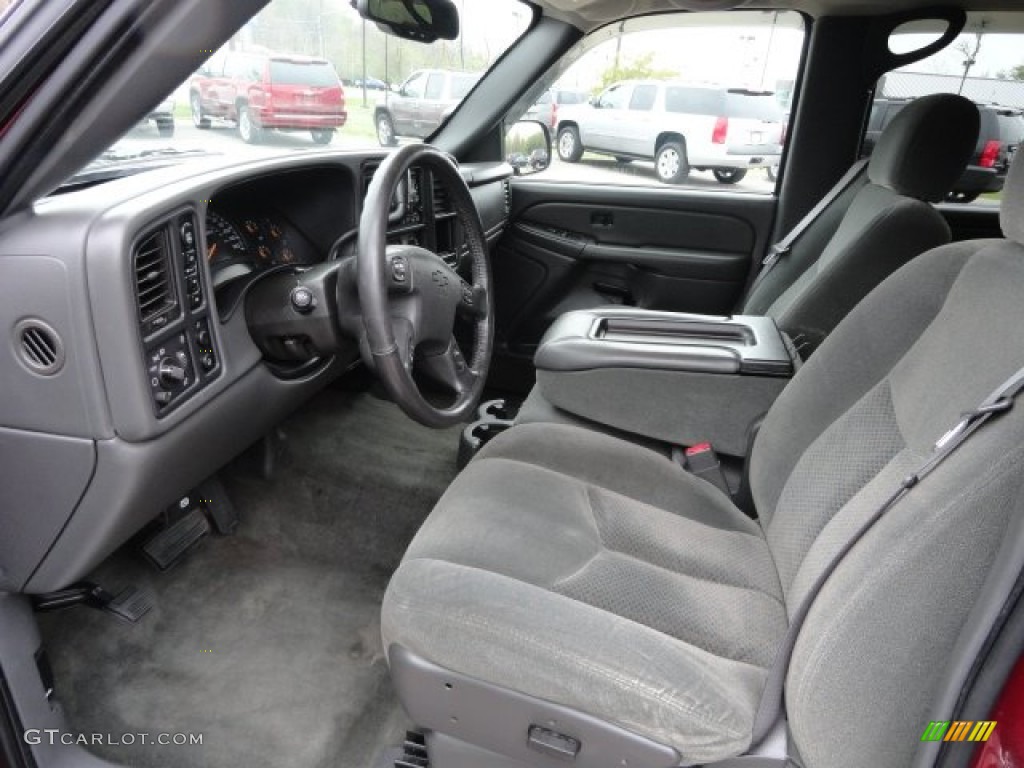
column 303, row 299
column 400, row 270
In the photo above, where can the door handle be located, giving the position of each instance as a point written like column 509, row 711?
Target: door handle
column 602, row 219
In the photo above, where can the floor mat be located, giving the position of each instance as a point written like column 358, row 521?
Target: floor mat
column 267, row 642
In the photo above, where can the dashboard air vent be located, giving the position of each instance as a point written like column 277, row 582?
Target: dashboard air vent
column 154, row 284
column 40, row 347
column 442, row 198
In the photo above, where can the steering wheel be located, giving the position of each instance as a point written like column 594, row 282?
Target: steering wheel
column 410, row 298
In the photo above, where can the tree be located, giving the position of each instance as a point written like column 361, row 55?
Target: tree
column 639, row 68
column 1014, row 73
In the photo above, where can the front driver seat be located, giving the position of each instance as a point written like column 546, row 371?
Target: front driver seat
column 570, row 585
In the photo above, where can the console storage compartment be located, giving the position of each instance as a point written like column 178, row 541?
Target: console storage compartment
column 679, row 378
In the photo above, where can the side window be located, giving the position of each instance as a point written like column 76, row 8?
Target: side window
column 713, row 87
column 614, row 98
column 435, row 87
column 643, row 97
column 414, row 86
column 986, row 67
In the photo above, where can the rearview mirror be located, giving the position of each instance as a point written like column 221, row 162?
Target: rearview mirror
column 421, row 20
column 528, row 147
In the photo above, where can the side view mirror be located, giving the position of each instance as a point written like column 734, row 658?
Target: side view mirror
column 528, row 147
column 423, row 21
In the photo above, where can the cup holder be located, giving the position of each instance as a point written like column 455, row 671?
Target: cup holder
column 498, row 410
column 477, row 435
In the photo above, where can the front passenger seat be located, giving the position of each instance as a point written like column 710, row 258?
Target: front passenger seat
column 575, row 598
column 878, row 223
column 889, row 221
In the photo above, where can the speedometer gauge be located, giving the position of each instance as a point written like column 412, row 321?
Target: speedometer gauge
column 223, row 241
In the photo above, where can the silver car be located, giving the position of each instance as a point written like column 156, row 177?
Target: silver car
column 678, row 126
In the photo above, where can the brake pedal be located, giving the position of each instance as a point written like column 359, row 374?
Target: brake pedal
column 130, row 604
column 171, row 543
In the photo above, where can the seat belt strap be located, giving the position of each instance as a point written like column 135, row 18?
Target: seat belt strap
column 999, row 402
column 784, row 245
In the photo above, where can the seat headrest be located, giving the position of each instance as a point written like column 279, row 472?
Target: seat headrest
column 926, row 147
column 1011, row 207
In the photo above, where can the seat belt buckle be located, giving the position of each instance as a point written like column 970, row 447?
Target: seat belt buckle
column 702, row 460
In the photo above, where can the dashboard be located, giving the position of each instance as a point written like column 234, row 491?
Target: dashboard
column 156, row 381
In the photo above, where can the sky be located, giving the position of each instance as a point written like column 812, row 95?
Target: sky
column 762, row 57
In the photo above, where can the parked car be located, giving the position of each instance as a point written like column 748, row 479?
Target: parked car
column 265, row 91
column 998, row 138
column 680, row 127
column 421, row 104
column 546, row 108
column 163, row 116
column 372, row 84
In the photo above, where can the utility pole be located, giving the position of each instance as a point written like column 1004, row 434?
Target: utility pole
column 364, row 63
column 618, row 51
column 771, row 38
column 320, row 29
column 970, row 55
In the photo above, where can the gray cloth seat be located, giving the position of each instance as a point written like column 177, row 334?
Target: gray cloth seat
column 883, row 222
column 575, row 563
column 577, row 569
column 877, row 225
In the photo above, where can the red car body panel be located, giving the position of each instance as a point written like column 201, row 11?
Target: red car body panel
column 310, row 97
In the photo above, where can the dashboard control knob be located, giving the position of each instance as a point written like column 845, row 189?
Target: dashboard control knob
column 303, row 299
column 203, row 338
column 163, row 397
column 171, row 372
column 208, row 361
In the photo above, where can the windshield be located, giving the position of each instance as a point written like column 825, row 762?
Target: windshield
column 304, row 74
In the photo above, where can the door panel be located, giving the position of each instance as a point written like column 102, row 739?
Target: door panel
column 574, row 246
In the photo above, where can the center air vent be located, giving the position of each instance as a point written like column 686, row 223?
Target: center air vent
column 39, row 347
column 154, row 281
column 442, row 198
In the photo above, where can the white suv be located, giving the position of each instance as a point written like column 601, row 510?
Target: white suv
column 678, row 126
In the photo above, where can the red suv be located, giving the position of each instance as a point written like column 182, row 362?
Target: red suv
column 262, row 91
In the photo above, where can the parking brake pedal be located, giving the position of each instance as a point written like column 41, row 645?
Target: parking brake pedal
column 130, row 604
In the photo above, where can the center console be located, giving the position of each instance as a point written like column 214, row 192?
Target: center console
column 677, row 378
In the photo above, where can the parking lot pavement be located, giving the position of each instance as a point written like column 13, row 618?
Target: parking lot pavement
column 639, row 172
column 224, row 138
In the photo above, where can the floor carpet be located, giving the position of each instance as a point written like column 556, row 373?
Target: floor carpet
column 267, row 642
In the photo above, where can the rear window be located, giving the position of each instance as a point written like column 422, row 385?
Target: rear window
column 301, row 73
column 1011, row 128
column 462, row 85
column 693, row 101
column 762, row 106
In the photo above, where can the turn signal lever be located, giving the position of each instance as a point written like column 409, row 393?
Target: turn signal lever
column 292, row 316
